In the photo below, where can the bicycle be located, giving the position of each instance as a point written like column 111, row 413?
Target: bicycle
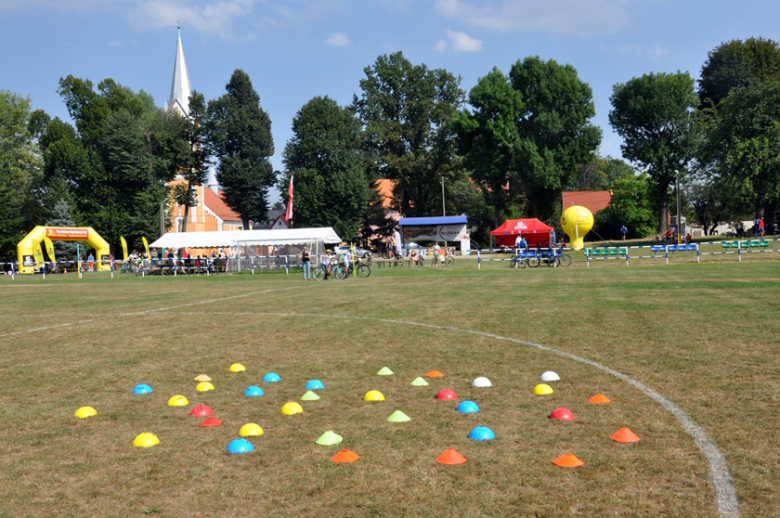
column 448, row 260
column 363, row 270
column 336, row 270
column 519, row 260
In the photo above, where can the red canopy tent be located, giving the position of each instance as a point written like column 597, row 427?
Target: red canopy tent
column 533, row 230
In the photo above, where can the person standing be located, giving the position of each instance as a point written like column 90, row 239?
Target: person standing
column 91, row 261
column 761, row 227
column 623, row 232
column 306, row 262
column 519, row 241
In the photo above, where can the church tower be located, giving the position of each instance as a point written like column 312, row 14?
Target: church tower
column 179, row 99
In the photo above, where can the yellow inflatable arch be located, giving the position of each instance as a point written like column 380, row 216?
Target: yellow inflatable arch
column 29, row 248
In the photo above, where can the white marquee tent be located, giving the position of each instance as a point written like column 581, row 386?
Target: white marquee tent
column 239, row 240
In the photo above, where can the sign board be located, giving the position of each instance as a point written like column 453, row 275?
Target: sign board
column 434, row 233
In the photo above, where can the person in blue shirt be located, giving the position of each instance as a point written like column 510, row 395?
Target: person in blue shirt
column 91, row 261
column 623, row 232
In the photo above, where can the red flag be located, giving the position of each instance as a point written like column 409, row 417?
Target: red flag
column 289, row 216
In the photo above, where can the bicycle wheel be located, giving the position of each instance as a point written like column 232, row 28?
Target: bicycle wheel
column 449, row 261
column 367, row 259
column 318, row 273
column 339, row 273
column 421, row 262
column 534, row 261
column 399, row 261
column 363, row 271
column 565, row 260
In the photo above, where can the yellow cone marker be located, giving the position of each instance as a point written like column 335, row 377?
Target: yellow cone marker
column 146, row 440
column 542, row 389
column 237, row 367
column 178, row 401
column 373, row 395
column 292, row 408
column 250, row 430
column 204, row 386
column 85, row 411
column 202, row 377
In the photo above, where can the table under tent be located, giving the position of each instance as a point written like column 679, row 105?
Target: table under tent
column 261, row 249
column 534, row 231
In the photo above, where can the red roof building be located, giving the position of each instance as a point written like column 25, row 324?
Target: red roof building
column 594, row 201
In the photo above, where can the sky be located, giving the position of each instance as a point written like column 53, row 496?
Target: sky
column 294, row 50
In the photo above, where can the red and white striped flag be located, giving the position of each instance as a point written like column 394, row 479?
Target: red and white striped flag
column 289, row 216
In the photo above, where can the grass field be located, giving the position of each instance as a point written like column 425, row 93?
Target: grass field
column 705, row 336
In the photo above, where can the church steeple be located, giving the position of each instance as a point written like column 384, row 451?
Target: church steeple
column 180, row 87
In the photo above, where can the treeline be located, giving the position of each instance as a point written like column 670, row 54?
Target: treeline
column 507, row 148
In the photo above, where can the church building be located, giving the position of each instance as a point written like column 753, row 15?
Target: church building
column 209, row 212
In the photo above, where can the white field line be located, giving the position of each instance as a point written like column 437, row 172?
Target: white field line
column 138, row 313
column 727, row 502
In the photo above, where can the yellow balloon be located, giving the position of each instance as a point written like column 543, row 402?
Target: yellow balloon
column 204, row 386
column 237, row 367
column 542, row 389
column 373, row 395
column 250, row 429
column 576, row 221
column 178, row 401
column 146, row 440
column 292, row 408
column 85, row 411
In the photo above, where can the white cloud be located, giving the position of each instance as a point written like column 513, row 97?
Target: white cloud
column 210, row 17
column 83, row 6
column 285, row 15
column 338, row 39
column 441, row 46
column 651, row 51
column 115, row 43
column 582, row 17
column 459, row 42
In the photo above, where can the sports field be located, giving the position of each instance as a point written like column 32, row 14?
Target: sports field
column 701, row 340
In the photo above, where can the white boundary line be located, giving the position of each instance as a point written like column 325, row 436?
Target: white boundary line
column 727, row 502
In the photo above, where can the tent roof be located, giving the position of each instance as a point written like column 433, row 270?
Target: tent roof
column 291, row 236
column 440, row 220
column 521, row 226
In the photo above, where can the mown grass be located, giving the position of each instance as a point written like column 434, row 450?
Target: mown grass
column 703, row 335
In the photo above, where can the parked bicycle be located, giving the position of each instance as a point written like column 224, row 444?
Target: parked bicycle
column 447, row 260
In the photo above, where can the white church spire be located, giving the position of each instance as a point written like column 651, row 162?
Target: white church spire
column 180, row 87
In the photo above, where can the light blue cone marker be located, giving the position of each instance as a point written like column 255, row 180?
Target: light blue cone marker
column 467, row 407
column 482, row 433
column 314, row 385
column 240, row 446
column 143, row 388
column 253, row 391
column 272, row 377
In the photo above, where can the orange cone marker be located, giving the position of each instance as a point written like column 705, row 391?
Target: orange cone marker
column 625, row 435
column 345, row 456
column 600, row 398
column 434, row 374
column 451, row 457
column 567, row 460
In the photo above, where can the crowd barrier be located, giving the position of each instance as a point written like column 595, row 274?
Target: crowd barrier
column 173, row 267
column 623, row 253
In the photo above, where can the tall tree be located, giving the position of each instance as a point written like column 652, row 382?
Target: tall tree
column 744, row 144
column 734, row 64
column 488, row 138
column 64, row 250
column 194, row 171
column 655, row 115
column 630, row 206
column 555, row 133
column 325, row 154
column 239, row 135
column 20, row 172
column 406, row 110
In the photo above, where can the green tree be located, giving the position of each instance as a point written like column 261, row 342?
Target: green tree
column 238, row 132
column 194, row 170
column 20, row 172
column 655, row 115
column 325, row 154
column 64, row 250
column 734, row 64
column 488, row 138
column 629, row 205
column 555, row 134
column 744, row 144
column 406, row 110
column 599, row 173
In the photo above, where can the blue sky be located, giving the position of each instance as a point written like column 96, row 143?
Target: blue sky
column 297, row 49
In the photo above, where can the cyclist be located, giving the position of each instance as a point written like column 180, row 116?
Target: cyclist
column 328, row 262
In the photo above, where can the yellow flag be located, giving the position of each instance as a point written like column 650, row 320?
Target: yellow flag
column 124, row 248
column 38, row 253
column 146, row 246
column 50, row 249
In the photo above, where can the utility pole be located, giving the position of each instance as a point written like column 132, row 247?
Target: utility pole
column 679, row 226
column 443, row 207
